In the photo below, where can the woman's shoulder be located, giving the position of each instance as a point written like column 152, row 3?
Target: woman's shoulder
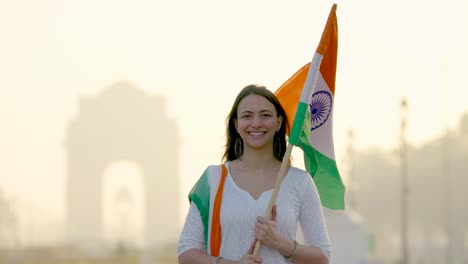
column 296, row 182
column 298, row 172
column 298, row 176
column 213, row 172
column 209, row 178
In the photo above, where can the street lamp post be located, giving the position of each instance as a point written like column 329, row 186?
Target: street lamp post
column 404, row 183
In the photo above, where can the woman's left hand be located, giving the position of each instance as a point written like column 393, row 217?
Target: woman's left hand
column 266, row 231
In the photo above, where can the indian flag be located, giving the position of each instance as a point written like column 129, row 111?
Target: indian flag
column 308, row 99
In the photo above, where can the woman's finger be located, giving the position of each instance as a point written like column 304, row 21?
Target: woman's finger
column 274, row 213
column 252, row 246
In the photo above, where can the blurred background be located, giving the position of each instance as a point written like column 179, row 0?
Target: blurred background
column 111, row 110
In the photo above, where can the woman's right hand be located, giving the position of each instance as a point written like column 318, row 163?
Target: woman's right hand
column 249, row 258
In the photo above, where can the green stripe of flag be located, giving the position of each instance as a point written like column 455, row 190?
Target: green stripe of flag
column 200, row 196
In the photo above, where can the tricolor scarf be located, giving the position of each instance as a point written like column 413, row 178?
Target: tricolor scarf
column 207, row 195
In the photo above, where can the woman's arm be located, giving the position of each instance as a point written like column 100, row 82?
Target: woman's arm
column 267, row 232
column 317, row 244
column 301, row 253
column 196, row 256
column 313, row 226
column 192, row 239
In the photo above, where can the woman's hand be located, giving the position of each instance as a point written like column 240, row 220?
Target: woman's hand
column 266, row 231
column 249, row 258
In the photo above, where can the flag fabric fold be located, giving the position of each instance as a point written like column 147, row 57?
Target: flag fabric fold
column 308, row 99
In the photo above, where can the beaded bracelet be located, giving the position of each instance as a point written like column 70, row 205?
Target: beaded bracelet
column 294, row 251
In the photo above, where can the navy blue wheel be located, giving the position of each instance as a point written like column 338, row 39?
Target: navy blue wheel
column 320, row 108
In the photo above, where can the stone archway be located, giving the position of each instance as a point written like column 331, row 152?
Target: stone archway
column 122, row 205
column 121, row 123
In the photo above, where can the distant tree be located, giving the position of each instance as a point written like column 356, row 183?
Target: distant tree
column 7, row 221
column 464, row 124
column 432, row 167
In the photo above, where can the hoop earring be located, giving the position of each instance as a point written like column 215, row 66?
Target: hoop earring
column 238, row 147
column 277, row 146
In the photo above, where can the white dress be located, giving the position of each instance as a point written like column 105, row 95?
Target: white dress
column 297, row 202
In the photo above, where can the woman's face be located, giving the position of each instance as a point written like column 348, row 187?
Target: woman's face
column 257, row 121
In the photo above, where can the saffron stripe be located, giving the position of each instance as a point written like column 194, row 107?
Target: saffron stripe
column 215, row 238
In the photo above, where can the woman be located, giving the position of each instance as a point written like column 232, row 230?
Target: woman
column 228, row 202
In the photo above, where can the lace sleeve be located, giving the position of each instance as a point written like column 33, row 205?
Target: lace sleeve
column 192, row 235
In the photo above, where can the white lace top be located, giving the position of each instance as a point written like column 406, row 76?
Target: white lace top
column 297, row 202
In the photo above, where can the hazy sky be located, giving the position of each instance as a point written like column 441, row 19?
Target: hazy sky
column 199, row 54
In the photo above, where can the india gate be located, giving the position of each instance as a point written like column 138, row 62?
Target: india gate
column 122, row 122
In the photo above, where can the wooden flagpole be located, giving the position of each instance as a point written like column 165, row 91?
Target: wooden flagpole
column 312, row 78
column 281, row 174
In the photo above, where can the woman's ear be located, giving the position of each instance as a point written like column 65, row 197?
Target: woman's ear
column 235, row 124
column 280, row 121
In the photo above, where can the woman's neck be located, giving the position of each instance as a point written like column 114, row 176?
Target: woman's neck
column 258, row 159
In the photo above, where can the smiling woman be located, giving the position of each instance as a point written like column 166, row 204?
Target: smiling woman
column 55, row 51
column 257, row 119
column 234, row 196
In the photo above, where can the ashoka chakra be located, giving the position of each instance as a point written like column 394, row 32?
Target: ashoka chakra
column 320, row 108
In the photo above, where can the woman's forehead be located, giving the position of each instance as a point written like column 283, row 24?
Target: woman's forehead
column 255, row 100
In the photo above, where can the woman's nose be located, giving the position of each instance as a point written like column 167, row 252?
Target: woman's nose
column 256, row 121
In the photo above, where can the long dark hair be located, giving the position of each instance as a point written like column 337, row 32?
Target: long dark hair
column 231, row 132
